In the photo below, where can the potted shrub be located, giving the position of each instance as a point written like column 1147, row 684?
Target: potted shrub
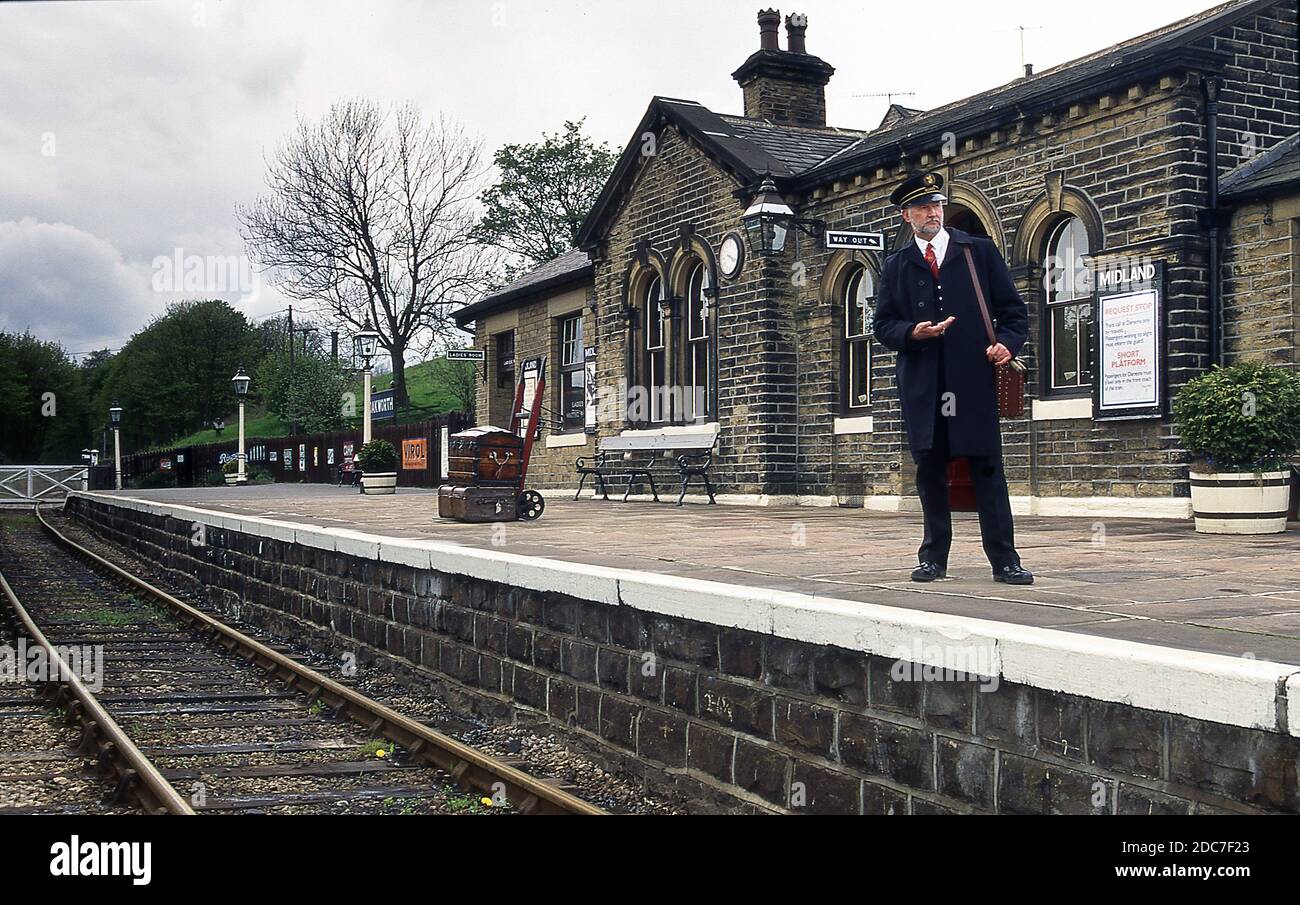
column 1241, row 424
column 230, row 468
column 378, row 463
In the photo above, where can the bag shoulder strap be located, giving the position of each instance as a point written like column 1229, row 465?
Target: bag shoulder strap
column 979, row 295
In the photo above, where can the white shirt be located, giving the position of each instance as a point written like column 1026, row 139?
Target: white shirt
column 940, row 243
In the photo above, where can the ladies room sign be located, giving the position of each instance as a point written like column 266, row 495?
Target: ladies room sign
column 1129, row 371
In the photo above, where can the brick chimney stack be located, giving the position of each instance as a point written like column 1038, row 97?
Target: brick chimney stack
column 784, row 86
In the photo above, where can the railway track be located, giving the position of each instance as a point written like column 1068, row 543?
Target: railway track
column 194, row 716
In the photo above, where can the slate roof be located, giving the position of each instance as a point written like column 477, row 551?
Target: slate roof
column 1119, row 64
column 798, row 148
column 1276, row 169
column 571, row 267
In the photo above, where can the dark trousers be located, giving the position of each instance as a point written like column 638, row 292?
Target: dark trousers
column 991, row 497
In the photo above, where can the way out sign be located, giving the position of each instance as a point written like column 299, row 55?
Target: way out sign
column 838, row 238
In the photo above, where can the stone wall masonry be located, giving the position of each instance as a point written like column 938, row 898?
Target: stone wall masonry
column 775, row 703
column 1261, row 299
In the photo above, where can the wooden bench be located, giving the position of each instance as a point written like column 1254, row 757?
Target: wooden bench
column 635, row 456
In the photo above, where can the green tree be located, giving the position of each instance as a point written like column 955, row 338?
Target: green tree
column 310, row 394
column 544, row 193
column 173, row 377
column 44, row 405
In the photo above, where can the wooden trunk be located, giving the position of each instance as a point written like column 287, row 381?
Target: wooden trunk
column 478, row 504
column 484, row 457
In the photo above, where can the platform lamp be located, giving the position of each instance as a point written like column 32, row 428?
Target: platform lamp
column 115, row 415
column 365, row 345
column 768, row 221
column 241, row 382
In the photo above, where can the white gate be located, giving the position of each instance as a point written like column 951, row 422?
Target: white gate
column 40, row 483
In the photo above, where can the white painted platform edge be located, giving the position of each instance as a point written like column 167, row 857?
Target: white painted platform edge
column 1230, row 690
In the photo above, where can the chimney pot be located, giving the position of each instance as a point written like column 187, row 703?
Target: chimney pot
column 796, row 26
column 769, row 21
column 1029, row 69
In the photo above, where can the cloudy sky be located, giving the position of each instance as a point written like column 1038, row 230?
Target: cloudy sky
column 129, row 130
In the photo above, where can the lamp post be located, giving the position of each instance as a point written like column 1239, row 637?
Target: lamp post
column 241, row 382
column 115, row 413
column 365, row 344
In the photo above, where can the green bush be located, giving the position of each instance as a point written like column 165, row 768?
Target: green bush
column 1244, row 417
column 259, row 475
column 152, row 480
column 230, row 466
column 377, row 456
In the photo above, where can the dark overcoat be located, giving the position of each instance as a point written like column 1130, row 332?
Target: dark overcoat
column 908, row 295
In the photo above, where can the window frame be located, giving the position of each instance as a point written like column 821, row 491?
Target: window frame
column 654, row 357
column 502, row 371
column 853, row 344
column 1080, row 299
column 568, row 368
column 697, row 346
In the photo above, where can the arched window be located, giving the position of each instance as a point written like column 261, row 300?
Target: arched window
column 655, row 363
column 859, row 301
column 1068, row 312
column 695, row 367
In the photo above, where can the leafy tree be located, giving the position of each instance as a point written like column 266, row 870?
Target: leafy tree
column 544, row 193
column 173, row 377
column 460, row 379
column 310, row 394
column 43, row 406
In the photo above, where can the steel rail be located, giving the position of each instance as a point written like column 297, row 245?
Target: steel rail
column 528, row 794
column 136, row 774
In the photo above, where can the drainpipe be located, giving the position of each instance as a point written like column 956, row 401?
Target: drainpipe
column 1211, row 88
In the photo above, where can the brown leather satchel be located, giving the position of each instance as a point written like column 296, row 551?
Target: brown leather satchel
column 1010, row 377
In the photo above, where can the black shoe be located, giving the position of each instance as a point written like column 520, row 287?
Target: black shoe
column 928, row 571
column 1014, row 575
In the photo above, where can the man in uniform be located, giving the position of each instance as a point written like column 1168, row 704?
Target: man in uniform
column 927, row 312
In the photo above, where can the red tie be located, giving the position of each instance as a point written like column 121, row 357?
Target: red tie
column 932, row 261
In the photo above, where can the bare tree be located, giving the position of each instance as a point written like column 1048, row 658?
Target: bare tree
column 371, row 215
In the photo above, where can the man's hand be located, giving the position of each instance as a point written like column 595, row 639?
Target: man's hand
column 926, row 330
column 998, row 354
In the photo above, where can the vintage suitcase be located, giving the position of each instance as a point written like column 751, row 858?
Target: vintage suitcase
column 478, row 504
column 484, row 457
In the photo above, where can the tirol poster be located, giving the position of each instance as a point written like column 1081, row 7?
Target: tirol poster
column 1128, row 310
column 415, row 454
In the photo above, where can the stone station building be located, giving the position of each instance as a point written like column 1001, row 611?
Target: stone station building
column 1097, row 179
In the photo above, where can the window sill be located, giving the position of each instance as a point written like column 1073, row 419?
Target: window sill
column 1061, row 409
column 672, row 430
column 556, row 441
column 860, row 424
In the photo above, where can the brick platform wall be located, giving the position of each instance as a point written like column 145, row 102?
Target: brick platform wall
column 731, row 719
